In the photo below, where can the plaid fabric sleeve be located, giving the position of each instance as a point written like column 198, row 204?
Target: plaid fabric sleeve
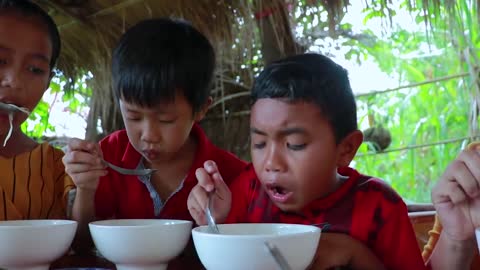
column 240, row 188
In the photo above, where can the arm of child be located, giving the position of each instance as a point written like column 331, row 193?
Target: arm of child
column 341, row 250
column 60, row 208
column 209, row 180
column 456, row 197
column 83, row 163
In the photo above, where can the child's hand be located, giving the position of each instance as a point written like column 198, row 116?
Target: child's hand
column 209, row 180
column 456, row 196
column 341, row 251
column 83, row 162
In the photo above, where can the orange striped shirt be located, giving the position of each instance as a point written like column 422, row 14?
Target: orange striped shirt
column 34, row 185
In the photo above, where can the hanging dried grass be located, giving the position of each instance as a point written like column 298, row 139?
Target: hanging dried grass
column 90, row 29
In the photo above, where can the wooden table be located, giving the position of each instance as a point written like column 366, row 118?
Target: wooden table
column 420, row 207
column 82, row 261
column 187, row 260
column 422, row 223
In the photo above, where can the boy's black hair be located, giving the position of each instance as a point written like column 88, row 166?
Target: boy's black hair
column 156, row 58
column 28, row 8
column 312, row 78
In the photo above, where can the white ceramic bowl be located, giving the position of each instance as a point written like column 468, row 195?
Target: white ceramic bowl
column 134, row 244
column 241, row 246
column 34, row 244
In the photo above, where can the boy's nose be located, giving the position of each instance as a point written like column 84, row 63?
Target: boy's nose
column 273, row 160
column 9, row 78
column 150, row 134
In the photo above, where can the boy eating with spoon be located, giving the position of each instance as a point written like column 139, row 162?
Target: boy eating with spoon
column 304, row 135
column 161, row 71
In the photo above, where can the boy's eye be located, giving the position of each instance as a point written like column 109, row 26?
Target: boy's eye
column 3, row 61
column 296, row 147
column 133, row 118
column 167, row 121
column 258, row 145
column 36, row 70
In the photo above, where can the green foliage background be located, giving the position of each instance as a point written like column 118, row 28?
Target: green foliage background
column 427, row 114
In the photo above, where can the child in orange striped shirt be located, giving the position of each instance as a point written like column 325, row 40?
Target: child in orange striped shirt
column 33, row 183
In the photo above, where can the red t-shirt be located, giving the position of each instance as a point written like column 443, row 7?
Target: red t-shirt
column 120, row 196
column 363, row 207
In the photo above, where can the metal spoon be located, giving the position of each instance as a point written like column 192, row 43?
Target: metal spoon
column 211, row 221
column 137, row 172
column 277, row 256
column 13, row 108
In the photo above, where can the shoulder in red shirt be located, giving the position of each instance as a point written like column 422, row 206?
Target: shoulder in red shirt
column 364, row 207
column 120, row 196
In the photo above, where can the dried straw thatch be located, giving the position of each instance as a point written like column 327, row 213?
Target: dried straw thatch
column 90, row 28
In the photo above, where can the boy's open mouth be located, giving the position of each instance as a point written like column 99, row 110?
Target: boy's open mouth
column 278, row 193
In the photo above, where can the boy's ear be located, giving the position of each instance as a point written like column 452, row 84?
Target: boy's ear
column 348, row 148
column 203, row 111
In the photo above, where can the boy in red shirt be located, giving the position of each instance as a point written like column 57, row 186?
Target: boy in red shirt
column 162, row 70
column 303, row 137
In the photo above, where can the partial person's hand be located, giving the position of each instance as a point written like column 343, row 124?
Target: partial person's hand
column 456, row 196
column 341, row 251
column 209, row 180
column 83, row 162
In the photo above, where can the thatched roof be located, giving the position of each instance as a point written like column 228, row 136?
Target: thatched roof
column 90, row 28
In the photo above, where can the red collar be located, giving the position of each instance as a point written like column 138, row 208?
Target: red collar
column 337, row 195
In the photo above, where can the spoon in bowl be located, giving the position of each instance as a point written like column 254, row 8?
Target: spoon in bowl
column 277, row 256
column 210, row 220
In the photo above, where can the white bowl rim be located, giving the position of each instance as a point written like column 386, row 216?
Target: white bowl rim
column 313, row 229
column 156, row 222
column 35, row 223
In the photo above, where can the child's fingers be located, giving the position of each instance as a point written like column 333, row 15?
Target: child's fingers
column 204, row 179
column 97, row 150
column 456, row 193
column 197, row 213
column 82, row 158
column 195, row 208
column 464, row 172
column 212, row 169
column 220, row 186
column 86, row 178
column 95, row 174
column 199, row 217
column 76, row 168
column 200, row 196
column 471, row 159
column 448, row 192
column 474, row 146
column 465, row 180
column 210, row 166
column 75, row 144
column 89, row 179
